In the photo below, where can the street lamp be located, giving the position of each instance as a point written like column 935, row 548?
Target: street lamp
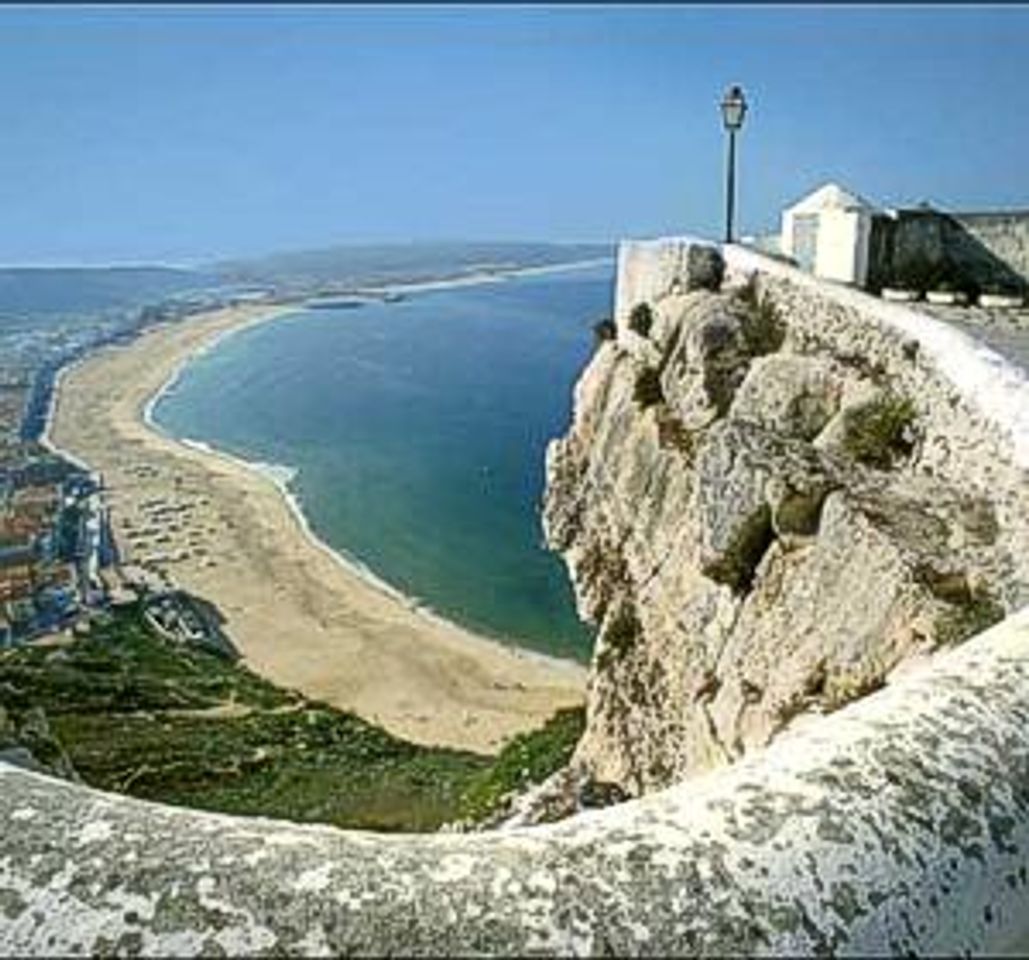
column 734, row 108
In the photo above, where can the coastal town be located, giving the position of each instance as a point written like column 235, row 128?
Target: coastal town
column 59, row 564
column 62, row 560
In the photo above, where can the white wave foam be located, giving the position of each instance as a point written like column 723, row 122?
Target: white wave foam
column 282, row 476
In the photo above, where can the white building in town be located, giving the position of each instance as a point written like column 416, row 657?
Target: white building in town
column 827, row 233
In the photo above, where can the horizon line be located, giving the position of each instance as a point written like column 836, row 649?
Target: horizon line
column 199, row 264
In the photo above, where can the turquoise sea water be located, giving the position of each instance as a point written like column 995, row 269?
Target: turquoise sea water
column 417, row 430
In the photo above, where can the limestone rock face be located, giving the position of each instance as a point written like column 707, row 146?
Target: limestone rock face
column 791, row 395
column 769, row 532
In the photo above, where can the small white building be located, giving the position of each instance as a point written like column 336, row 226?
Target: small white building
column 827, row 233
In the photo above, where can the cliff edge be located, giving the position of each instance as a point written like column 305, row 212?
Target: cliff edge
column 774, row 492
column 898, row 825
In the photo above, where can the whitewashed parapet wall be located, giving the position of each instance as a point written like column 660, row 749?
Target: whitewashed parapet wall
column 649, row 270
column 972, row 404
column 994, row 390
column 974, row 375
column 899, row 824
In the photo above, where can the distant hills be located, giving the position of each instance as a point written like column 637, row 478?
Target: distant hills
column 44, row 292
column 81, row 290
column 368, row 264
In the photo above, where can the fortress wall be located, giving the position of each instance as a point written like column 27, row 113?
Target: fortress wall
column 1005, row 235
column 923, row 247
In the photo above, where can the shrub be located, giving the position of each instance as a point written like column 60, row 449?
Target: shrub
column 620, row 634
column 641, row 319
column 737, row 564
column 672, row 434
column 800, row 511
column 623, row 630
column 762, row 327
column 529, row 758
column 647, row 389
column 848, row 686
column 604, row 330
column 747, row 293
column 969, row 615
column 879, row 432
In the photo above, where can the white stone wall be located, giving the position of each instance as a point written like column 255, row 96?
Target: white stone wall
column 899, row 825
column 972, row 402
column 994, row 390
column 842, row 252
column 839, row 228
column 649, row 270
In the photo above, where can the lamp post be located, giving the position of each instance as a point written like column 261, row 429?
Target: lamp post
column 734, row 108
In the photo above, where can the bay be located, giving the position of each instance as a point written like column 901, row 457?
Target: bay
column 416, row 431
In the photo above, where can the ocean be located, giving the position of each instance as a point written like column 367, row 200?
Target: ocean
column 414, row 435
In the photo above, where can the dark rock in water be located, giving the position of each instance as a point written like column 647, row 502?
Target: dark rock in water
column 344, row 303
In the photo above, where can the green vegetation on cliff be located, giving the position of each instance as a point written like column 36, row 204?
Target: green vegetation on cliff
column 878, row 433
column 647, row 389
column 137, row 714
column 641, row 319
column 529, row 758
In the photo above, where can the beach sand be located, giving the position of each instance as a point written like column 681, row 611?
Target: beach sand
column 298, row 615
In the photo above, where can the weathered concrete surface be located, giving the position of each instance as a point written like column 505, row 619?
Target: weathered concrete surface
column 1003, row 329
column 898, row 825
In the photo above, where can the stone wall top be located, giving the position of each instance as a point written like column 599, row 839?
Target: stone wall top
column 996, row 385
column 649, row 270
column 898, row 824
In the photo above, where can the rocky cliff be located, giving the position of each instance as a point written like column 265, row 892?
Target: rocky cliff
column 772, row 494
column 693, row 519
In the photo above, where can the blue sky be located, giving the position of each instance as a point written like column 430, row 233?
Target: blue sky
column 175, row 134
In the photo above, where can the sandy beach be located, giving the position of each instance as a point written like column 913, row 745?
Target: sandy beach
column 301, row 617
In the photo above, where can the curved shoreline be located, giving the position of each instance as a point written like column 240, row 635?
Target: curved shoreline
column 351, row 563
column 352, row 641
column 272, row 472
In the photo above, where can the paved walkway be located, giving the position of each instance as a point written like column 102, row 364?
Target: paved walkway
column 1007, row 330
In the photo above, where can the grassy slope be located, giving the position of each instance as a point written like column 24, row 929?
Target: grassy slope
column 139, row 715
